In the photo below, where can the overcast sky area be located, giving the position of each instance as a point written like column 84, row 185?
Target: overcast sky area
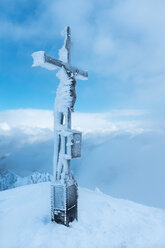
column 119, row 42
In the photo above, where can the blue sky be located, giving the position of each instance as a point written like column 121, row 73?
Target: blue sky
column 120, row 43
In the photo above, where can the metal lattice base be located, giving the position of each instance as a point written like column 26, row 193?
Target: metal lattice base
column 64, row 218
column 64, row 203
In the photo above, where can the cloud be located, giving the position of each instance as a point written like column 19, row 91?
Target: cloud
column 33, row 118
column 114, row 121
column 119, row 155
column 120, row 43
column 122, row 36
column 4, row 126
column 128, row 34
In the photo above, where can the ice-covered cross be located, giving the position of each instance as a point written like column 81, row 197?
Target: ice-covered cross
column 67, row 142
column 50, row 63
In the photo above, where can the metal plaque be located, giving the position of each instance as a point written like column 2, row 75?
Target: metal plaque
column 76, row 145
column 59, row 197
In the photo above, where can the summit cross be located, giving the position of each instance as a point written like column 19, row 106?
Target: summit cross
column 67, row 142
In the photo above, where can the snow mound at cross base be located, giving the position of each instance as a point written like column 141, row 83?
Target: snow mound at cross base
column 103, row 221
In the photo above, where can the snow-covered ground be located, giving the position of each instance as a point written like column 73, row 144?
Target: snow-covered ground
column 104, row 222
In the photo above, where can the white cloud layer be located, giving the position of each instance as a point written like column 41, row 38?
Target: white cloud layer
column 114, row 121
column 119, row 155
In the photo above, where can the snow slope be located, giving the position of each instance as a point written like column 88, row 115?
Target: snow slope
column 104, row 222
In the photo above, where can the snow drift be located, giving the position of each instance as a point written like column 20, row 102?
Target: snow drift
column 104, row 221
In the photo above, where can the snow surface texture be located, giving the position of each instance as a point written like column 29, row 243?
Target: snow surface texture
column 104, row 222
column 120, row 157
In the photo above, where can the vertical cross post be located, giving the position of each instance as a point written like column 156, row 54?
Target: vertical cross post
column 68, row 45
column 67, row 142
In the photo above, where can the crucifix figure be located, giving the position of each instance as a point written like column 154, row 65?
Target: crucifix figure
column 67, row 142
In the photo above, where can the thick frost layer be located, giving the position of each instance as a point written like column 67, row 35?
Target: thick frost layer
column 63, row 51
column 63, row 99
column 39, row 60
column 63, row 54
column 104, row 222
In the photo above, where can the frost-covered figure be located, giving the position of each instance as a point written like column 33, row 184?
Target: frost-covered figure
column 67, row 142
column 64, row 105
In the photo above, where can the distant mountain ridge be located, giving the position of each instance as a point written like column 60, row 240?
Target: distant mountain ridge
column 9, row 179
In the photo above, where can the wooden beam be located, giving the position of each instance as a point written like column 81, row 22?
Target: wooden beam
column 68, row 45
column 68, row 67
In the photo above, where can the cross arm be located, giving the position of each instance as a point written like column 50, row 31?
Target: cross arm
column 41, row 59
column 68, row 67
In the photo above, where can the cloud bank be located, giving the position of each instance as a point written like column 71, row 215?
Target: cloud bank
column 122, row 158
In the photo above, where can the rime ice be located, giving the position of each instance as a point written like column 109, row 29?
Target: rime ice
column 39, row 60
column 67, row 142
